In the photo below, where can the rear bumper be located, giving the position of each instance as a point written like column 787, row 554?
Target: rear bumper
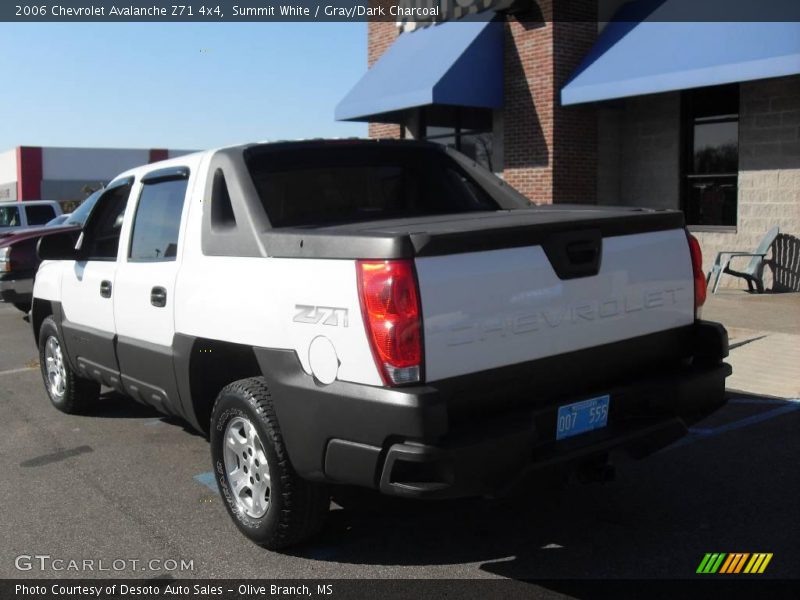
column 422, row 442
column 645, row 416
column 16, row 287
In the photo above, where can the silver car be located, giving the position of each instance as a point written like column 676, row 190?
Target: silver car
column 18, row 216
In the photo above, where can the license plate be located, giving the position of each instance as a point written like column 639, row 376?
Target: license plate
column 583, row 416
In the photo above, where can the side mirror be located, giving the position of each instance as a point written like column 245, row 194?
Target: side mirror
column 57, row 246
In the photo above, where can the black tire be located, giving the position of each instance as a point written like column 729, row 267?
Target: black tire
column 78, row 393
column 23, row 306
column 297, row 508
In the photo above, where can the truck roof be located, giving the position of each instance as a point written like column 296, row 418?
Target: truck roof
column 189, row 160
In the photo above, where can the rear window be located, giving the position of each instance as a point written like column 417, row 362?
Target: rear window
column 39, row 214
column 314, row 186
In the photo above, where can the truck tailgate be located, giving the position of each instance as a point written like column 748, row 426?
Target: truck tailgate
column 511, row 286
column 488, row 309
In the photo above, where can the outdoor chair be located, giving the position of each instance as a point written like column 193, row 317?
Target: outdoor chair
column 753, row 273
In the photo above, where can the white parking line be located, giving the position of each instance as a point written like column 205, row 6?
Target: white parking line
column 20, row 370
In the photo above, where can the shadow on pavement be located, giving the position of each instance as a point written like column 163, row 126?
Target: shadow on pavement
column 113, row 405
column 730, row 492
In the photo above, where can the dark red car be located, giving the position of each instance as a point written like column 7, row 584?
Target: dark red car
column 18, row 259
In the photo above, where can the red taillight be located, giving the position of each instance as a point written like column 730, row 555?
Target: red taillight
column 697, row 271
column 390, row 307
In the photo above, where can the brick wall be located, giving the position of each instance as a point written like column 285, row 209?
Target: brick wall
column 381, row 35
column 549, row 151
column 769, row 178
column 528, row 106
column 575, row 147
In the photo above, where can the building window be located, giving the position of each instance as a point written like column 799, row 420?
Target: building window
column 711, row 156
column 467, row 130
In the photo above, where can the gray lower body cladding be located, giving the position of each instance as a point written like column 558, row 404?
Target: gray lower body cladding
column 483, row 434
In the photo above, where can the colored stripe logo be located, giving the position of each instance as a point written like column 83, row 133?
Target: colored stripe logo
column 734, row 563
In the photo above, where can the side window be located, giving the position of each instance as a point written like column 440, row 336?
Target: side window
column 101, row 234
column 158, row 220
column 9, row 216
column 39, row 214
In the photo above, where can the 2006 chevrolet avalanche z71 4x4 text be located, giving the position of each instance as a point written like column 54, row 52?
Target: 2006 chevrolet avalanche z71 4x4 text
column 383, row 314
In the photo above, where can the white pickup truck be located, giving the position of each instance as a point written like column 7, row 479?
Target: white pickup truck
column 383, row 314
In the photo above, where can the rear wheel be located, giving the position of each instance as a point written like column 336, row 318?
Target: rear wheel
column 68, row 392
column 266, row 499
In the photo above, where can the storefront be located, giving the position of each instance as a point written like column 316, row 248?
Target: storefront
column 607, row 102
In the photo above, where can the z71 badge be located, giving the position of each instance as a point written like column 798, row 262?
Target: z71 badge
column 327, row 315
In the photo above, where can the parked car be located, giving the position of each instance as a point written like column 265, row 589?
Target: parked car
column 383, row 314
column 19, row 216
column 18, row 259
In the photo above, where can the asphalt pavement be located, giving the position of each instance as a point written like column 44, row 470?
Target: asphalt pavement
column 121, row 483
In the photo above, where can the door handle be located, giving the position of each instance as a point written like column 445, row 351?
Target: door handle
column 105, row 288
column 158, row 297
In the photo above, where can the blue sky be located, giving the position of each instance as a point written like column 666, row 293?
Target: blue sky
column 187, row 86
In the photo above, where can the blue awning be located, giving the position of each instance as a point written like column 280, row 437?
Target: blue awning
column 457, row 63
column 659, row 53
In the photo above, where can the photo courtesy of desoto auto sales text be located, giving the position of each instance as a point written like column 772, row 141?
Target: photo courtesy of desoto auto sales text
column 400, row 299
